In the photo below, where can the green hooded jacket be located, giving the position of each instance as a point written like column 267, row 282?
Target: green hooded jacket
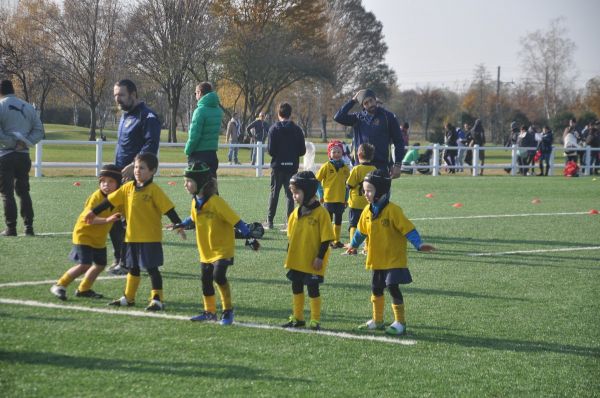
column 206, row 124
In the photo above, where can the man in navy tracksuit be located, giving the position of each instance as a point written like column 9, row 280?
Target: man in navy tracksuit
column 286, row 145
column 374, row 125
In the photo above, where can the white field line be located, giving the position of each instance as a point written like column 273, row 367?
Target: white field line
column 563, row 249
column 381, row 339
column 51, row 282
column 578, row 213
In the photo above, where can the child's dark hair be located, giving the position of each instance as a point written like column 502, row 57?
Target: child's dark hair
column 366, row 151
column 149, row 158
column 285, row 110
column 210, row 188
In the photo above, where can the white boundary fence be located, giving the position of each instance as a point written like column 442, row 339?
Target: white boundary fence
column 435, row 165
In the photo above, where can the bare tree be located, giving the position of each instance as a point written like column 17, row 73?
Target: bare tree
column 547, row 59
column 165, row 39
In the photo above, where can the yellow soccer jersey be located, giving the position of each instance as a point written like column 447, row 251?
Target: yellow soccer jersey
column 215, row 236
column 93, row 235
column 334, row 182
column 143, row 209
column 356, row 199
column 305, row 235
column 387, row 241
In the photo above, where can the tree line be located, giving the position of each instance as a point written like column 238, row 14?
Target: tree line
column 313, row 53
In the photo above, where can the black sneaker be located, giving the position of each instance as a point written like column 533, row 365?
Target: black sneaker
column 9, row 232
column 293, row 323
column 121, row 302
column 89, row 294
column 29, row 231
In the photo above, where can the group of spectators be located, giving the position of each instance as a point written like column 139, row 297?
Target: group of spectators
column 462, row 138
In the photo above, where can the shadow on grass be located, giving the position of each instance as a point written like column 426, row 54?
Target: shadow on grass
column 182, row 369
column 506, row 344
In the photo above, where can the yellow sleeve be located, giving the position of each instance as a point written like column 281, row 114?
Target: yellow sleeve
column 326, row 227
column 117, row 198
column 227, row 213
column 363, row 225
column 322, row 173
column 352, row 180
column 162, row 201
column 402, row 224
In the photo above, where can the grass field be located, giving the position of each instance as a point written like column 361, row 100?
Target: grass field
column 481, row 321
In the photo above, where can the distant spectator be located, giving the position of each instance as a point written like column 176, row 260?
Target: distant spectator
column 478, row 138
column 404, row 129
column 545, row 148
column 233, row 133
column 525, row 139
column 461, row 141
column 570, row 142
column 257, row 130
column 468, row 138
column 593, row 140
column 450, row 140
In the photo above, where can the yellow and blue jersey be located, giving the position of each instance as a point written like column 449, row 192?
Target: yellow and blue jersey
column 305, row 235
column 143, row 208
column 387, row 244
column 356, row 198
column 93, row 235
column 215, row 235
column 333, row 182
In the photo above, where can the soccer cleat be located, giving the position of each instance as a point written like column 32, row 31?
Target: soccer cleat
column 314, row 325
column 226, row 317
column 293, row 323
column 396, row 329
column 89, row 294
column 371, row 325
column 155, row 305
column 336, row 245
column 59, row 292
column 269, row 225
column 205, row 317
column 29, row 231
column 122, row 302
column 117, row 269
column 9, row 232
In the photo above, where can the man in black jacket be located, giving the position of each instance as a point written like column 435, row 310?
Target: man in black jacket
column 286, row 145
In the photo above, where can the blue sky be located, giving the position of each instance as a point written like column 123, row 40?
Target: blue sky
column 441, row 41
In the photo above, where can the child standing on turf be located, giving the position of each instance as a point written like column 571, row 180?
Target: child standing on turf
column 388, row 230
column 89, row 240
column 309, row 234
column 215, row 237
column 333, row 176
column 357, row 201
column 144, row 203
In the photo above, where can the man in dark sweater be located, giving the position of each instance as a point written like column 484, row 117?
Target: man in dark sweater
column 286, row 145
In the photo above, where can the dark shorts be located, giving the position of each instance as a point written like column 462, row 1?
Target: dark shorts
column 83, row 254
column 224, row 262
column 335, row 209
column 386, row 277
column 147, row 255
column 353, row 217
column 304, row 278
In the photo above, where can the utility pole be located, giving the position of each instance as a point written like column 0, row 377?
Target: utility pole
column 498, row 121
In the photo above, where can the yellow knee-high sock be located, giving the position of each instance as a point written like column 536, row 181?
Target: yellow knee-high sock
column 210, row 304
column 298, row 306
column 399, row 313
column 85, row 285
column 337, row 232
column 157, row 292
column 378, row 302
column 315, row 309
column 352, row 231
column 225, row 293
column 65, row 280
column 131, row 287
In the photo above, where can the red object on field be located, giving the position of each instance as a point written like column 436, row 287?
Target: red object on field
column 593, row 211
column 536, row 201
column 429, row 195
column 171, row 183
column 457, row 205
column 76, row 183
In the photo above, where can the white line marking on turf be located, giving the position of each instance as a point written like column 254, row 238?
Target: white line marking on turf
column 50, row 282
column 342, row 335
column 563, row 249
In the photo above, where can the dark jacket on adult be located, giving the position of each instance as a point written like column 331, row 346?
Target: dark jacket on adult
column 286, row 145
column 545, row 145
column 258, row 130
column 380, row 130
column 205, row 126
column 139, row 131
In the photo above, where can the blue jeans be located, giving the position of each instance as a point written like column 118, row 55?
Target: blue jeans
column 232, row 156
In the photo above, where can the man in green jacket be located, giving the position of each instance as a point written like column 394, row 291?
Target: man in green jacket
column 203, row 136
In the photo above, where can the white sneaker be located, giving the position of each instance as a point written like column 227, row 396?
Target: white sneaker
column 59, row 291
column 396, row 329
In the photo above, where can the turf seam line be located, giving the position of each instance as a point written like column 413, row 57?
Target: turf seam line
column 381, row 339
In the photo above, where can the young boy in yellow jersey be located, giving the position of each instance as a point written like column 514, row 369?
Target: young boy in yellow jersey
column 309, row 234
column 89, row 240
column 356, row 198
column 215, row 222
column 143, row 204
column 334, row 196
column 388, row 230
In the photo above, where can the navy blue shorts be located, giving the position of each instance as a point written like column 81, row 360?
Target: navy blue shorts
column 353, row 217
column 83, row 254
column 304, row 278
column 147, row 255
column 336, row 210
column 386, row 277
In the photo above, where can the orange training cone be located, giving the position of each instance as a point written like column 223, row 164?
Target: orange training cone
column 457, row 205
column 536, row 201
column 593, row 211
column 76, row 183
column 429, row 195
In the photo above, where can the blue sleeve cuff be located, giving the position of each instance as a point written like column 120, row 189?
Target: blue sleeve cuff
column 243, row 228
column 357, row 239
column 414, row 238
column 186, row 222
column 320, row 191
